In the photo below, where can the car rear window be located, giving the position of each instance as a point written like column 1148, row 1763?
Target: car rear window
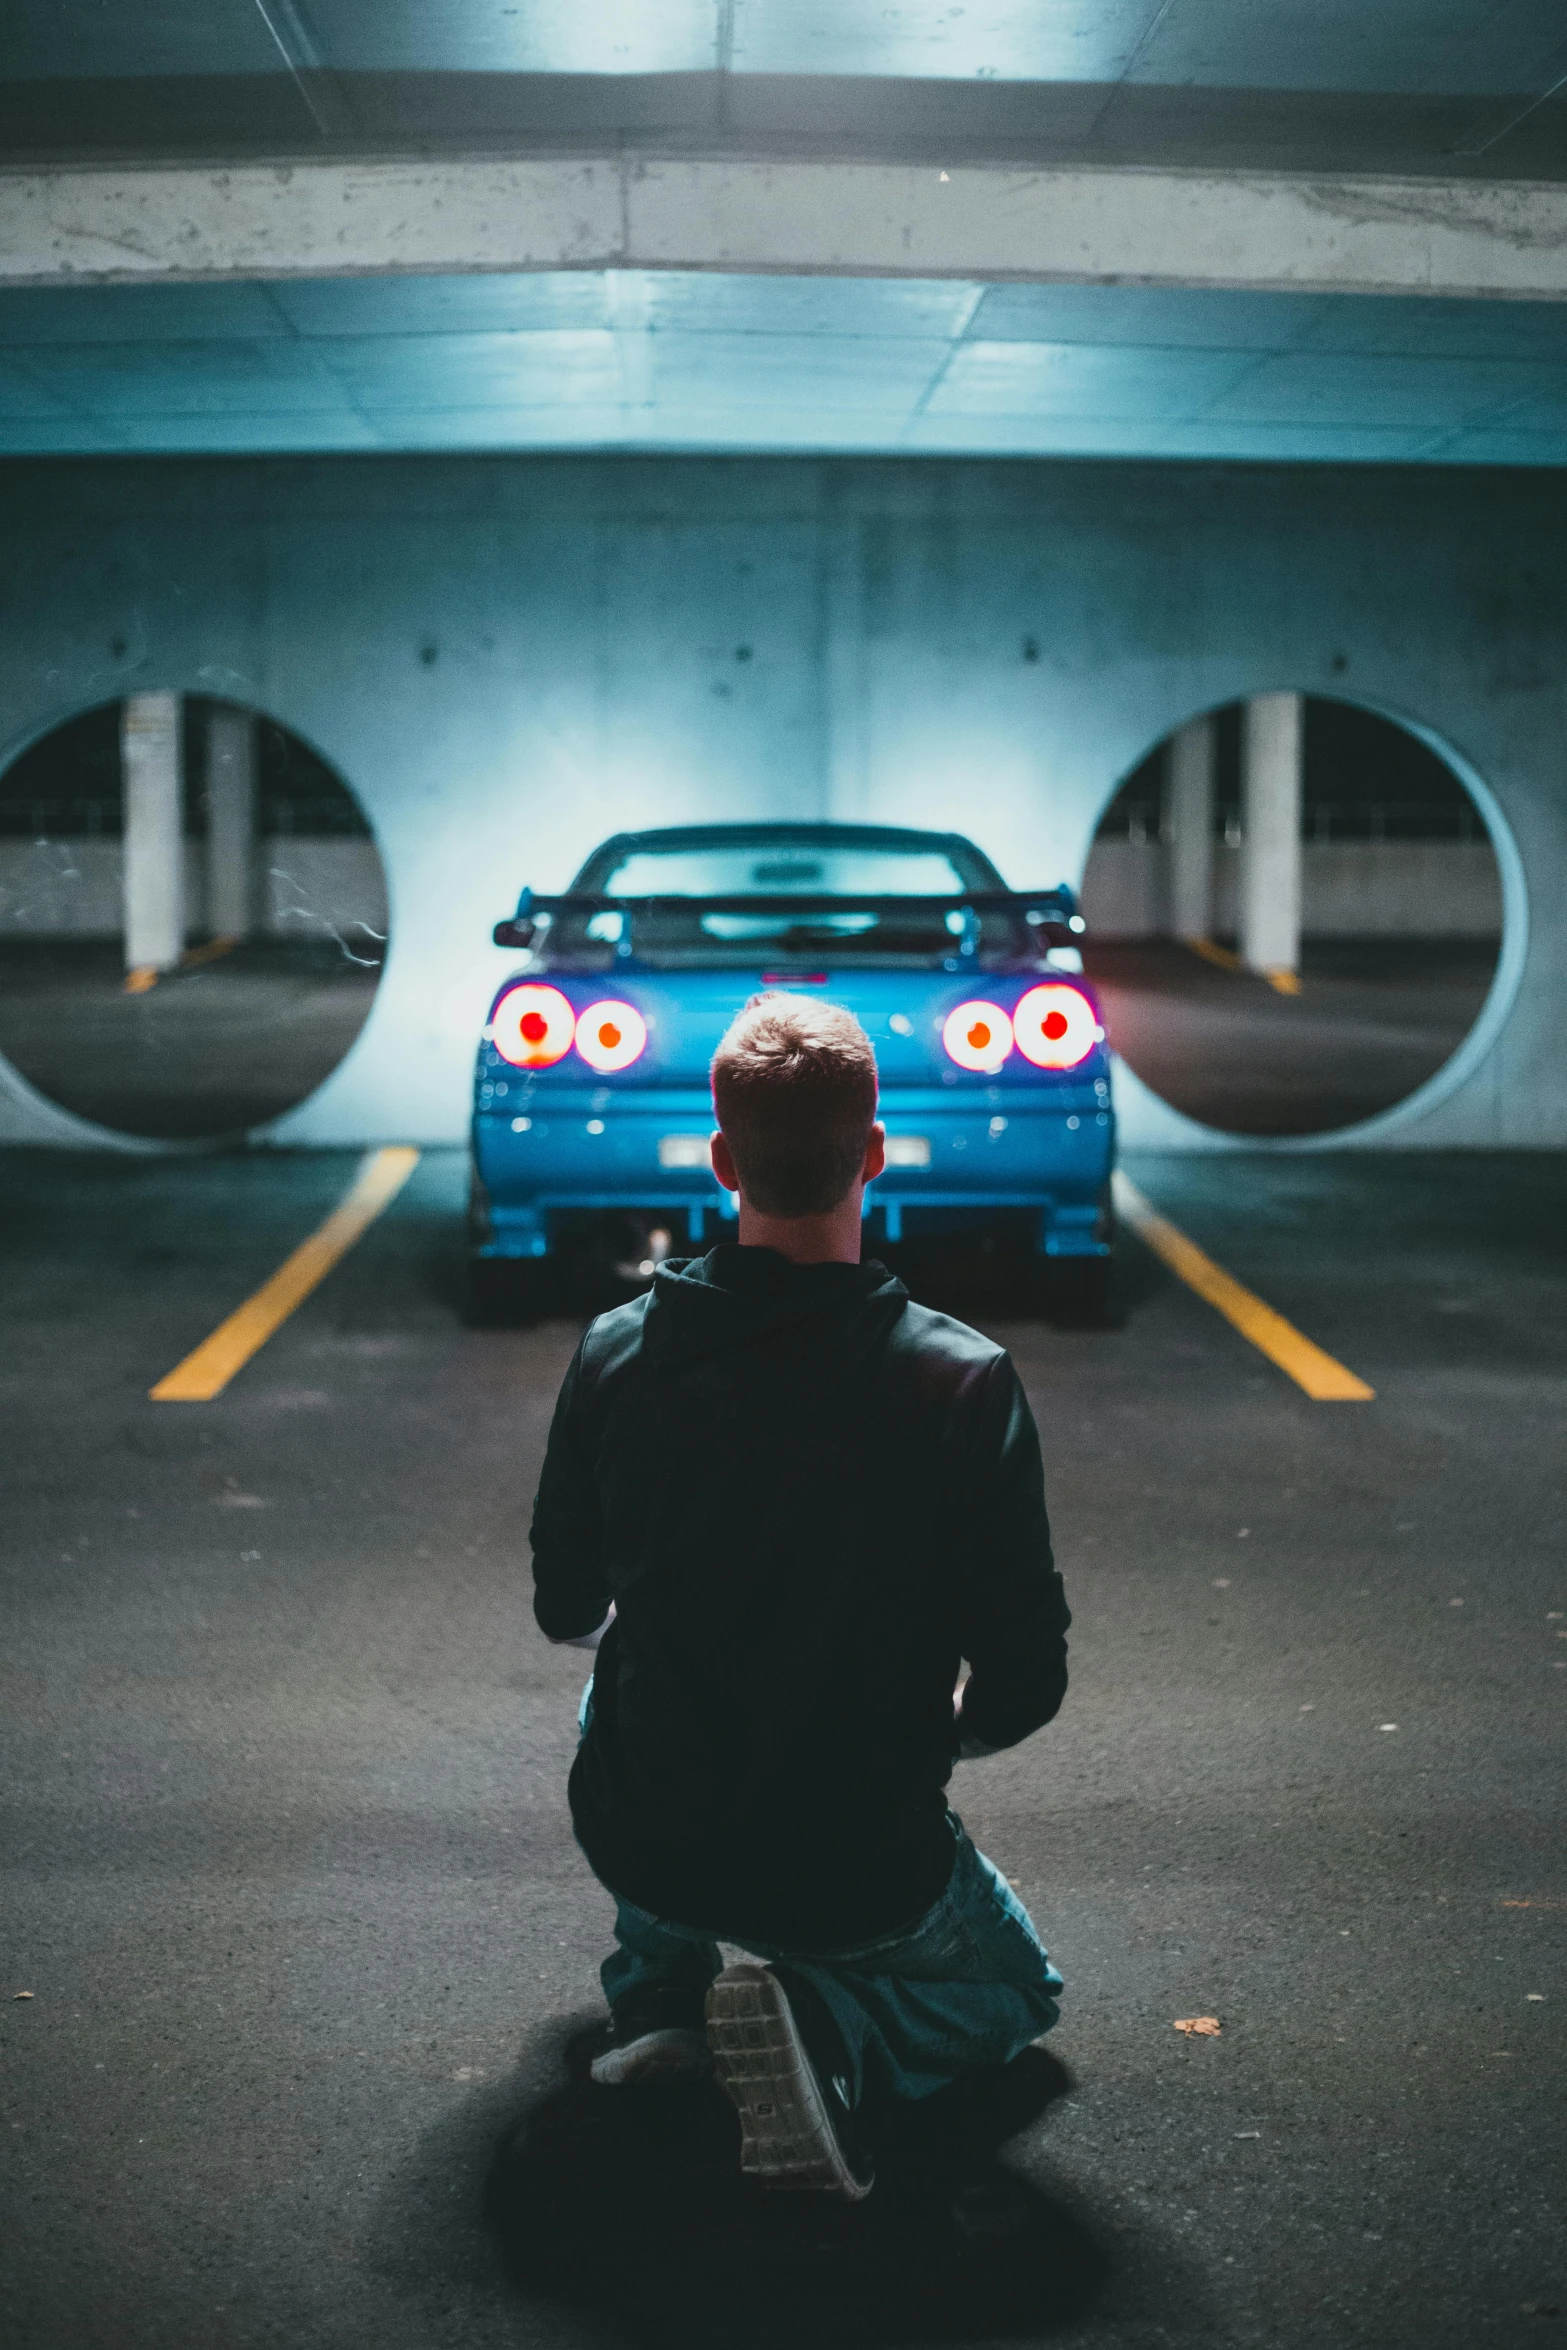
column 691, row 938
column 732, row 871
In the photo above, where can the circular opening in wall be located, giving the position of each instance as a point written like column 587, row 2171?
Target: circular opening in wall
column 1295, row 914
column 192, row 917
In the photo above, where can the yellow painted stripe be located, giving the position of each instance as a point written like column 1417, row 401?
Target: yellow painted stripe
column 193, row 957
column 1284, row 981
column 1323, row 1379
column 207, row 1372
column 1211, row 952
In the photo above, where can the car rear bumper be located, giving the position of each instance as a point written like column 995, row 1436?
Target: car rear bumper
column 1048, row 1151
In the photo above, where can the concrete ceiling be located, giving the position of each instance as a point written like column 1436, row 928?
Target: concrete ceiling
column 1311, row 44
column 676, row 356
column 1334, row 84
column 640, row 359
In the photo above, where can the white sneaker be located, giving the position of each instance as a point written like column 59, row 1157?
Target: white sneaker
column 653, row 2059
column 796, row 2127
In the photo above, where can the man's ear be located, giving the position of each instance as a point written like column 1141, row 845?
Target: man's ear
column 875, row 1153
column 723, row 1160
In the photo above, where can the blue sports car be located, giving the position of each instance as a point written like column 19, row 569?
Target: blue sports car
column 591, row 1110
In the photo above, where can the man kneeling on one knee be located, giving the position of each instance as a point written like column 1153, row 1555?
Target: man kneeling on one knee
column 785, row 1503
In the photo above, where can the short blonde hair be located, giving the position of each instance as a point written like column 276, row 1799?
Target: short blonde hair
column 794, row 1088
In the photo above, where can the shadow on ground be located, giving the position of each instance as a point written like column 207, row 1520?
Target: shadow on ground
column 948, row 2244
column 629, row 2208
column 974, row 1286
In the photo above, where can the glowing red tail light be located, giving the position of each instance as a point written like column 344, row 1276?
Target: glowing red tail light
column 611, row 1035
column 977, row 1035
column 1055, row 1027
column 532, row 1027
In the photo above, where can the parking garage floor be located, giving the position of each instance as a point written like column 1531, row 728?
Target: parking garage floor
column 225, row 1042
column 298, row 1950
column 1369, row 1021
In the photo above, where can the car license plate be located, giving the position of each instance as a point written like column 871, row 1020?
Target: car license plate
column 684, row 1150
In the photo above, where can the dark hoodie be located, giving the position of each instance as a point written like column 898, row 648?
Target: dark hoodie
column 808, row 1498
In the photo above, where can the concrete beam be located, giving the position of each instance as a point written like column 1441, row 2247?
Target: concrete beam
column 153, row 224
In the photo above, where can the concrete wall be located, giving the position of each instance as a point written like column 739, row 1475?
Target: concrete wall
column 71, row 888
column 62, row 889
column 1349, row 889
column 507, row 657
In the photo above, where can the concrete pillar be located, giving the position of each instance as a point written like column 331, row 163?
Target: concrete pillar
column 1189, row 794
column 845, row 762
column 154, row 851
column 1272, row 744
column 231, row 822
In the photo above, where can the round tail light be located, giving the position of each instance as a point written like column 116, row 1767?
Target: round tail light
column 532, row 1027
column 611, row 1036
column 977, row 1036
column 1055, row 1027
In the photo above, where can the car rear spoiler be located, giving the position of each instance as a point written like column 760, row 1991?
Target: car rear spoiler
column 1053, row 912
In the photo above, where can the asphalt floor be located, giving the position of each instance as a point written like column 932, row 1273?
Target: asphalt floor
column 1372, row 1020
column 214, row 1048
column 310, row 1955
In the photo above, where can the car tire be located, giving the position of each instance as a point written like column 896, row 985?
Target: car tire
column 505, row 1292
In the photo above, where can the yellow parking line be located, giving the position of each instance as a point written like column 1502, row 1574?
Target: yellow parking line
column 207, row 1371
column 1281, row 980
column 1211, row 952
column 146, row 976
column 1323, row 1379
column 193, row 957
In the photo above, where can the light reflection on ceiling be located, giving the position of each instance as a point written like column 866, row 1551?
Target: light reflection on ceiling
column 694, row 361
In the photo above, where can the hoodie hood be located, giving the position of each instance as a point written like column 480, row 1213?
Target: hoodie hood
column 735, row 1297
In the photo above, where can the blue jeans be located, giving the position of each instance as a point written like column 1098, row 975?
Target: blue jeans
column 970, row 1983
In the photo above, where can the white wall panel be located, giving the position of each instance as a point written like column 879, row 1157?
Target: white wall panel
column 507, row 658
